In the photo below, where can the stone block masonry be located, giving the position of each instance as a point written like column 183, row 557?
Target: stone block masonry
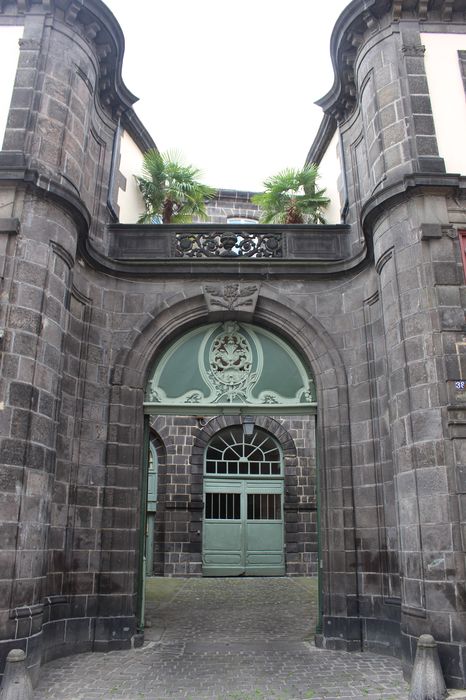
column 378, row 321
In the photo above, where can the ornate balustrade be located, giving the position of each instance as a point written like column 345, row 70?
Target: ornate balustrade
column 236, row 242
column 228, row 243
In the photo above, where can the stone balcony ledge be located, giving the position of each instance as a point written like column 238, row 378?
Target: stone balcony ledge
column 209, row 248
column 227, row 242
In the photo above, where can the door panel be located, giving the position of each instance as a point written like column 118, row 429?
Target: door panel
column 264, row 528
column 222, row 537
column 265, row 556
column 265, row 538
column 223, row 547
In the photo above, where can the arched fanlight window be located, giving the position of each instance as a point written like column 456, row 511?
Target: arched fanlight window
column 232, row 453
column 241, row 220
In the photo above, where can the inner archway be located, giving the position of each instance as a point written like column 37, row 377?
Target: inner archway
column 311, row 343
column 241, row 386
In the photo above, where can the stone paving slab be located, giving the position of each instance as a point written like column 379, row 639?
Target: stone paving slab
column 226, row 639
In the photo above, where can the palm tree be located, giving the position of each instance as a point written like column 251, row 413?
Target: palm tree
column 292, row 197
column 171, row 190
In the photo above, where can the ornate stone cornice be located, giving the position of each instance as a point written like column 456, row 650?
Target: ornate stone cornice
column 360, row 20
column 322, row 140
column 413, row 50
column 413, row 185
column 131, row 122
column 94, row 22
column 13, row 172
column 429, row 10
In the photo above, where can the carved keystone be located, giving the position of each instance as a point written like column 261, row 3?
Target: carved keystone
column 231, row 298
column 427, row 681
column 16, row 682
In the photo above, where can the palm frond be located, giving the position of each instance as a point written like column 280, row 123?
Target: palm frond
column 291, row 196
column 165, row 178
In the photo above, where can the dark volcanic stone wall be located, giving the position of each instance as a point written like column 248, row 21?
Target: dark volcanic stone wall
column 55, row 167
column 381, row 327
column 36, row 297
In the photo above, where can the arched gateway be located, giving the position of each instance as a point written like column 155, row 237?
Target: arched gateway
column 169, row 371
column 252, row 498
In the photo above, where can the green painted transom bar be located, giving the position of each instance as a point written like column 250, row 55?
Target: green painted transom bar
column 230, row 368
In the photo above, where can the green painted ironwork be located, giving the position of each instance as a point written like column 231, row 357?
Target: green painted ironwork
column 142, row 526
column 152, row 479
column 231, row 453
column 320, row 573
column 151, row 508
column 230, row 367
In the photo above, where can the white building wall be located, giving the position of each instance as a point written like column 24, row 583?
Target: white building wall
column 130, row 200
column 447, row 96
column 9, row 54
column 330, row 170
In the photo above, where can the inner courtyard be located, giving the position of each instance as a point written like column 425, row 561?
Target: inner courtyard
column 226, row 639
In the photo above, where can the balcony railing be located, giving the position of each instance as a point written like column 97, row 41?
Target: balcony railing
column 232, row 243
column 229, row 244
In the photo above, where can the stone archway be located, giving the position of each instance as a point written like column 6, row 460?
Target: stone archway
column 338, row 566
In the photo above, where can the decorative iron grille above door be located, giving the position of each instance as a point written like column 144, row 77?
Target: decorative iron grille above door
column 231, row 368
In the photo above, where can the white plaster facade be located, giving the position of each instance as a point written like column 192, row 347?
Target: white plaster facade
column 9, row 54
column 330, row 171
column 447, row 96
column 130, row 200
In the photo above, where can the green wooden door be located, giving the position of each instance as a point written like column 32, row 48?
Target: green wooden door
column 264, row 555
column 243, row 506
column 151, row 509
column 243, row 528
column 223, row 533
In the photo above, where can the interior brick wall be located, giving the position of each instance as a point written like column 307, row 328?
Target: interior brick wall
column 178, row 529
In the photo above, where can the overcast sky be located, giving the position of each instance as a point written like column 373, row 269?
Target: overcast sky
column 231, row 85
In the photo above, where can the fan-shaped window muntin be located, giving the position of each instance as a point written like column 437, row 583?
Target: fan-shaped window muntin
column 231, row 453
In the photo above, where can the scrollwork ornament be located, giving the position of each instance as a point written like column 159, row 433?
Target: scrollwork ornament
column 228, row 244
column 228, row 368
column 232, row 296
column 230, row 363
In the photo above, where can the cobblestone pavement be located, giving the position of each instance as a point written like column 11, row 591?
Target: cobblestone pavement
column 225, row 639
